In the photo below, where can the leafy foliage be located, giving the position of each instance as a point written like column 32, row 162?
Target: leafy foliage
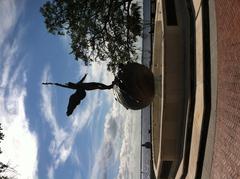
column 1, row 136
column 100, row 30
column 3, row 167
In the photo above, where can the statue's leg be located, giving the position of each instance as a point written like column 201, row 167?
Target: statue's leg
column 94, row 86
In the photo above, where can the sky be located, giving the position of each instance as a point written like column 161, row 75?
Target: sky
column 100, row 140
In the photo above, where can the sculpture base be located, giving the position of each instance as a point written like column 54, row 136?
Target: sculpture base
column 134, row 86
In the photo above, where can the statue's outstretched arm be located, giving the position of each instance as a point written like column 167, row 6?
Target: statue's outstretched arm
column 61, row 85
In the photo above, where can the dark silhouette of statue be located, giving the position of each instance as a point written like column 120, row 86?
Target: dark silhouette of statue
column 133, row 86
column 80, row 93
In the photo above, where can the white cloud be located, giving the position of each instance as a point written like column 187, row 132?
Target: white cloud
column 9, row 14
column 105, row 154
column 20, row 145
column 51, row 172
column 7, row 18
column 121, row 144
column 130, row 151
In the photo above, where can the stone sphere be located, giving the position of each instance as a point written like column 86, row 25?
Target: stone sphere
column 134, row 86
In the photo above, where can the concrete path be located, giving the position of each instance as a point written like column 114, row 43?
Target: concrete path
column 199, row 102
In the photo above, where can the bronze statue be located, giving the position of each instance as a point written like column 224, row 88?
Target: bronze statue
column 80, row 93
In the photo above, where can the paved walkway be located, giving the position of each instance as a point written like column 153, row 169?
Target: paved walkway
column 199, row 98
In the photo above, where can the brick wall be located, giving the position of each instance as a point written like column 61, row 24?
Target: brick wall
column 226, row 158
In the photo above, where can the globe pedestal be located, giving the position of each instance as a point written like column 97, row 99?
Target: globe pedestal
column 134, row 86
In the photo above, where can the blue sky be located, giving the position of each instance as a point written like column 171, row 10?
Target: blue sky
column 100, row 140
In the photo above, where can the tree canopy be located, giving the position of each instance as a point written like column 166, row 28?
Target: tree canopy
column 3, row 166
column 99, row 30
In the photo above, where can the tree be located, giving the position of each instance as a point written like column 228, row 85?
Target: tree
column 99, row 30
column 3, row 167
column 1, row 136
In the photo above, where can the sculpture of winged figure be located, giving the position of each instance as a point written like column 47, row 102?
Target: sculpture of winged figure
column 81, row 87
